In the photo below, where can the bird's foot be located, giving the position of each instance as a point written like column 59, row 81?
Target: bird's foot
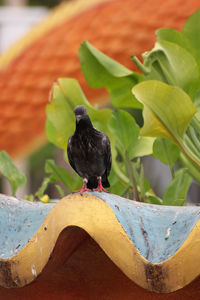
column 82, row 190
column 100, row 187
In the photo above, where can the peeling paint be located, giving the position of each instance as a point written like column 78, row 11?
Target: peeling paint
column 168, row 233
column 33, row 270
column 19, row 221
column 116, row 221
column 117, row 207
column 6, row 275
column 148, row 235
column 145, row 235
column 156, row 276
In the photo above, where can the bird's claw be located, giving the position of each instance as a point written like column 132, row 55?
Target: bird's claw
column 82, row 190
column 100, row 189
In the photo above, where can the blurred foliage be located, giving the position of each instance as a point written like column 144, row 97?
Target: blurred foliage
column 167, row 94
column 171, row 108
column 47, row 3
column 15, row 177
column 37, row 165
column 126, row 144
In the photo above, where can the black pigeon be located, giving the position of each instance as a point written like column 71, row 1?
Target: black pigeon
column 89, row 153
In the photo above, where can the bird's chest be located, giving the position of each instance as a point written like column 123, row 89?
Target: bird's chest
column 86, row 147
column 88, row 155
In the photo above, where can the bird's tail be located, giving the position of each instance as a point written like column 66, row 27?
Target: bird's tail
column 93, row 182
column 105, row 182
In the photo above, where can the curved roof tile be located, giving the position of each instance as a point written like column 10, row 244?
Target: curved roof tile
column 154, row 246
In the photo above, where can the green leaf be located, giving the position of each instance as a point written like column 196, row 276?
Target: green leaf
column 172, row 64
column 124, row 127
column 191, row 30
column 187, row 39
column 193, row 170
column 46, row 181
column 60, row 124
column 153, row 199
column 60, row 190
column 15, row 177
column 101, row 71
column 59, row 117
column 59, row 173
column 197, row 102
column 30, row 198
column 116, row 185
column 176, row 192
column 167, row 110
column 166, row 151
column 78, row 182
column 143, row 147
column 174, row 36
column 142, row 183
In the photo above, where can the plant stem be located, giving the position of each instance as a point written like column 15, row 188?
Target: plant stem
column 191, row 155
column 192, row 169
column 188, row 152
column 168, row 158
column 132, row 177
column 140, row 66
column 125, row 192
column 142, row 190
column 119, row 173
column 192, row 147
column 172, row 171
column 194, row 138
column 196, row 124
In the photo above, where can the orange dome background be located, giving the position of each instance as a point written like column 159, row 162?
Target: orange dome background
column 119, row 28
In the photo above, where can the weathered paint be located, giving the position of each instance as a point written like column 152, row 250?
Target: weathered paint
column 155, row 246
column 147, row 225
column 19, row 221
column 156, row 231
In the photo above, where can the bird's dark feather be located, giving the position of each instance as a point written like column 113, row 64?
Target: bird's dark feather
column 89, row 153
column 70, row 155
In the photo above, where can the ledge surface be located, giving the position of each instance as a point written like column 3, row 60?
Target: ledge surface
column 154, row 246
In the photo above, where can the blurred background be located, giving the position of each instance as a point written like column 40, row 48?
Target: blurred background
column 39, row 42
column 17, row 17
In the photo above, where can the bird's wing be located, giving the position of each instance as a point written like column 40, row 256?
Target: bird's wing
column 70, row 154
column 107, row 154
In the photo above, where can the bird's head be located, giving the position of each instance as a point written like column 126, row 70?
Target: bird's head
column 81, row 115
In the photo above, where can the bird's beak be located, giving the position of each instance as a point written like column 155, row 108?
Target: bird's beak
column 78, row 118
